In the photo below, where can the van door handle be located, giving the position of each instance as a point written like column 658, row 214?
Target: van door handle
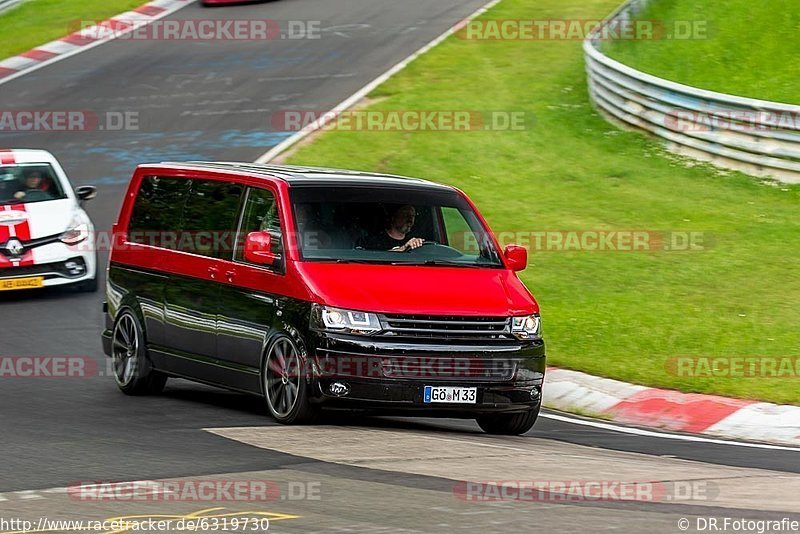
column 230, row 275
column 213, row 272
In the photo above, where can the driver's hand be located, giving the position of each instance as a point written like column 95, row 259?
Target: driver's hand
column 19, row 194
column 413, row 243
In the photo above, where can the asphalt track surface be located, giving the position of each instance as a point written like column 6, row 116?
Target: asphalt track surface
column 209, row 101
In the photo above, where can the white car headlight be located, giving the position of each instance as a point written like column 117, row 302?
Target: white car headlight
column 76, row 233
column 347, row 321
column 526, row 327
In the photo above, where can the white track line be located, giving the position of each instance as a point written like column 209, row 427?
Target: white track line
column 663, row 435
column 364, row 91
column 117, row 34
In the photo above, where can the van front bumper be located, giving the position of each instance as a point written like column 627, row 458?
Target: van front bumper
column 354, row 372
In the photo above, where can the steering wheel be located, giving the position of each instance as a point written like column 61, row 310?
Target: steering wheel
column 450, row 251
column 424, row 243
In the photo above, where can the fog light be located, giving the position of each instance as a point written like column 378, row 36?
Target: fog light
column 74, row 268
column 339, row 389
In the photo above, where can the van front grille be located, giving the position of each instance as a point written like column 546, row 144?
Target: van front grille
column 447, row 327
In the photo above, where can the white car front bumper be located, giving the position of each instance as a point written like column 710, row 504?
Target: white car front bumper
column 57, row 264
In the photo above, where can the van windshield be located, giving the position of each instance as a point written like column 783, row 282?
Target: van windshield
column 390, row 225
column 28, row 183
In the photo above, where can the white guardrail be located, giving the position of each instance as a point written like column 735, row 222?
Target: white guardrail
column 8, row 4
column 754, row 136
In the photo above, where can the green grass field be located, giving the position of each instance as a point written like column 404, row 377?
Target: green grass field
column 750, row 50
column 616, row 314
column 36, row 22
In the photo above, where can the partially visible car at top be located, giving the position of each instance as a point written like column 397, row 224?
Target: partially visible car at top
column 46, row 237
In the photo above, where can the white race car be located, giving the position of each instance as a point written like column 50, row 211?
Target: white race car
column 46, row 238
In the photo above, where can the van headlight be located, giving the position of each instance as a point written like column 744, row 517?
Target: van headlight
column 346, row 321
column 526, row 327
column 77, row 232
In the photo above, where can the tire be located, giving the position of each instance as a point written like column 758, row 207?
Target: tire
column 512, row 424
column 87, row 286
column 133, row 372
column 285, row 384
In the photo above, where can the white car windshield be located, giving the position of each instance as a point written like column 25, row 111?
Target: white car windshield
column 26, row 183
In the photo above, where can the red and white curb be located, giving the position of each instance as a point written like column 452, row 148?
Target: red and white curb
column 737, row 419
column 86, row 38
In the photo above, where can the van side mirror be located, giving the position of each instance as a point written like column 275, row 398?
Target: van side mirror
column 516, row 257
column 258, row 249
column 86, row 192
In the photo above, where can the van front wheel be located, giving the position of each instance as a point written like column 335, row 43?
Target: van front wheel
column 512, row 424
column 285, row 383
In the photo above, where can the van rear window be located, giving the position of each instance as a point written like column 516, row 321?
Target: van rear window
column 156, row 214
column 209, row 218
column 189, row 215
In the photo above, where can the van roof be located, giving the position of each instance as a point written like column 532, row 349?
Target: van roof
column 299, row 176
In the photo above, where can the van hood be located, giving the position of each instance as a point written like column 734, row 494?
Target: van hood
column 38, row 219
column 418, row 289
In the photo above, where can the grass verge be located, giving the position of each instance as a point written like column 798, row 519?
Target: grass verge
column 743, row 48
column 37, row 22
column 619, row 314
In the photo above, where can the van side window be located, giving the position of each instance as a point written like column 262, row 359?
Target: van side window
column 157, row 211
column 459, row 233
column 209, row 218
column 260, row 215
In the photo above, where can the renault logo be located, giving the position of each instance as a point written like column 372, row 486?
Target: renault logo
column 14, row 247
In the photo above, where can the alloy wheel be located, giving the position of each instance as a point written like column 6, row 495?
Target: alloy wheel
column 282, row 377
column 125, row 350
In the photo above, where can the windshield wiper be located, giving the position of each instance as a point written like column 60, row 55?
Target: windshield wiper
column 341, row 260
column 435, row 263
column 441, row 263
column 447, row 263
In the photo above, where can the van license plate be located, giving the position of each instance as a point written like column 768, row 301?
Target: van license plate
column 21, row 283
column 453, row 395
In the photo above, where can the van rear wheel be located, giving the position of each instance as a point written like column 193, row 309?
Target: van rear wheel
column 132, row 370
column 512, row 424
column 286, row 387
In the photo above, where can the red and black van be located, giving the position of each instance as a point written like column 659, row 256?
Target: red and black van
column 321, row 288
